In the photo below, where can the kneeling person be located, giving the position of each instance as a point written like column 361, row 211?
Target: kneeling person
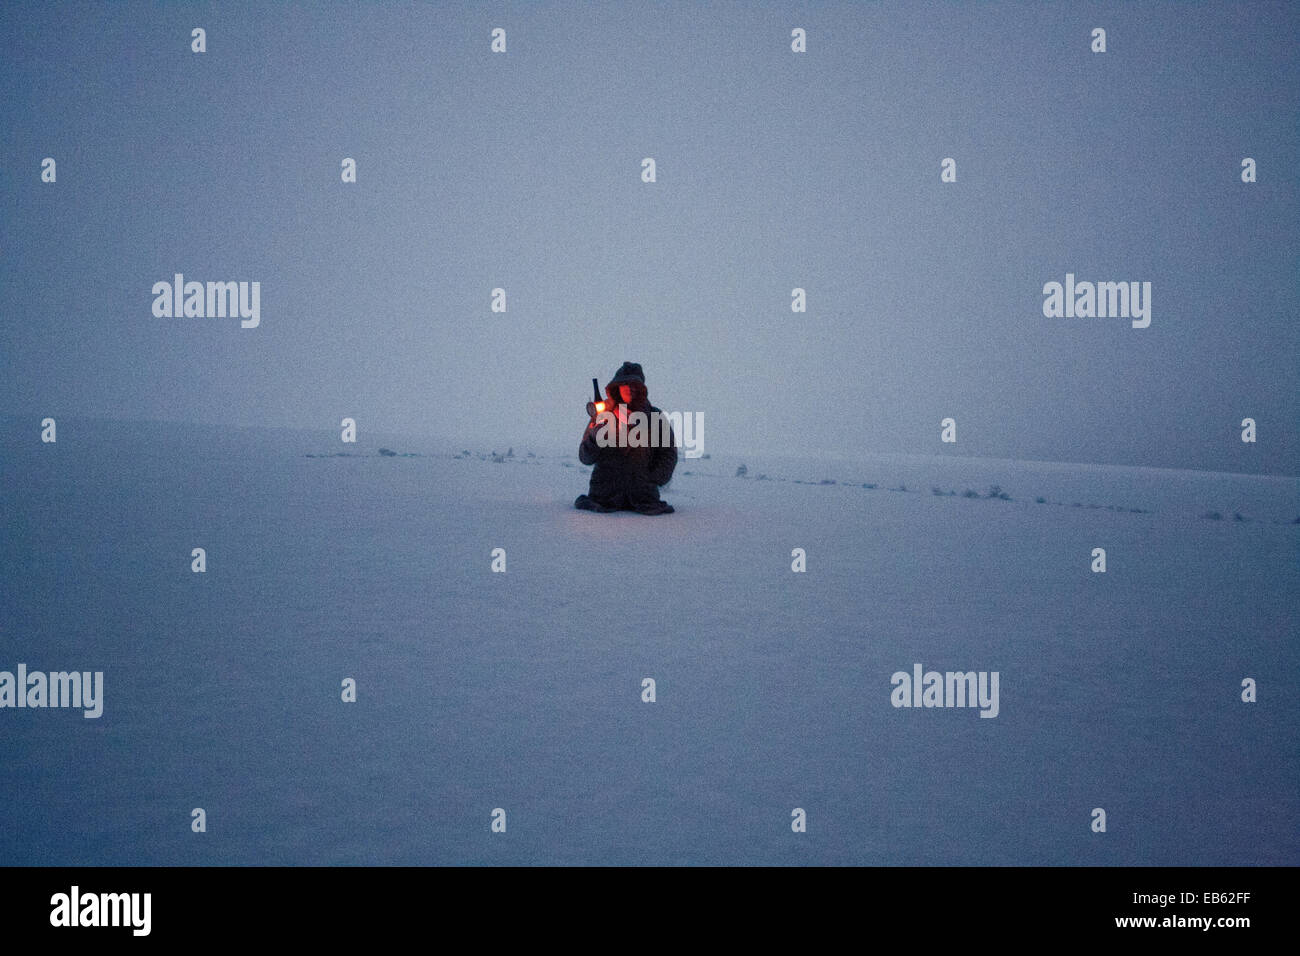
column 628, row 478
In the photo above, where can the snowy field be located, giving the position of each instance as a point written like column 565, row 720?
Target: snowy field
column 522, row 690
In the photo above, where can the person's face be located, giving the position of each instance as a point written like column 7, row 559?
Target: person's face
column 625, row 393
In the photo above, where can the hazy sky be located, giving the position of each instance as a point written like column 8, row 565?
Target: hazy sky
column 775, row 170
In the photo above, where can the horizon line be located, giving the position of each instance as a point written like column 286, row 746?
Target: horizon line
column 830, row 458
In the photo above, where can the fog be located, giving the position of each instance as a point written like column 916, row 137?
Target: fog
column 774, row 171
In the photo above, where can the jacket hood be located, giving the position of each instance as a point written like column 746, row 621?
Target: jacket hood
column 629, row 373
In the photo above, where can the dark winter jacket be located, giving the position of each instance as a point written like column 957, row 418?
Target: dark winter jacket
column 636, row 473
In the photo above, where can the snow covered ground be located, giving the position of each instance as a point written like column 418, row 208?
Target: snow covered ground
column 478, row 690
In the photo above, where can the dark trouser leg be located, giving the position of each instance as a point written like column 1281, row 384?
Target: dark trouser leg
column 591, row 504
